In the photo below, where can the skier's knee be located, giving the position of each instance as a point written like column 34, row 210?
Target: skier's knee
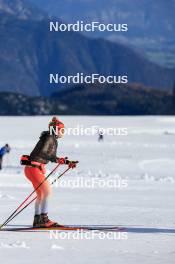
column 47, row 192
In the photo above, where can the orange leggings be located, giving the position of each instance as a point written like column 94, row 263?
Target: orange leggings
column 36, row 176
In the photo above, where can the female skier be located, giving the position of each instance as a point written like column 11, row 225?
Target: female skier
column 44, row 151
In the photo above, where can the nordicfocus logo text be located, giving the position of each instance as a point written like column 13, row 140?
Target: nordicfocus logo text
column 80, row 78
column 81, row 26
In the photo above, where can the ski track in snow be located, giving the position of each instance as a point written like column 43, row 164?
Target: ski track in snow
column 17, row 244
column 56, row 247
column 6, row 197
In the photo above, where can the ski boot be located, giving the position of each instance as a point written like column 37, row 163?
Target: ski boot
column 46, row 222
column 37, row 221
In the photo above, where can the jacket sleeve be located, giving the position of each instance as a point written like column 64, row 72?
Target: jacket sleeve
column 2, row 151
column 8, row 150
column 49, row 151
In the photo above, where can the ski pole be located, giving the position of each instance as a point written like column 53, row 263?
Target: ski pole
column 17, row 213
column 5, row 222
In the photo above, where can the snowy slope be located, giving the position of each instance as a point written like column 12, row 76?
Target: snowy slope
column 145, row 207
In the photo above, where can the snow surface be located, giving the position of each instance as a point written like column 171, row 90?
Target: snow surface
column 144, row 159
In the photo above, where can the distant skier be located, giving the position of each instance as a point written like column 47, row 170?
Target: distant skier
column 44, row 151
column 100, row 136
column 4, row 150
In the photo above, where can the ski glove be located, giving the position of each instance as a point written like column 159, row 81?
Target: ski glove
column 62, row 161
column 72, row 164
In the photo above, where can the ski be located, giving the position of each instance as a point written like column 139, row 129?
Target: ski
column 65, row 228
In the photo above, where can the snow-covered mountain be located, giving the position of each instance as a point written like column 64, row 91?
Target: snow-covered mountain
column 20, row 9
column 151, row 23
column 29, row 53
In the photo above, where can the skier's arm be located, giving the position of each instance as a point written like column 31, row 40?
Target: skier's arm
column 8, row 150
column 47, row 150
column 51, row 155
